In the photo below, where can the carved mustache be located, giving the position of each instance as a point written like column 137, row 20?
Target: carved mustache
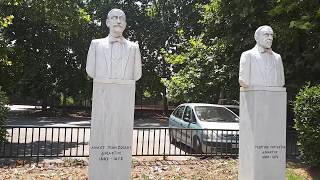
column 117, row 25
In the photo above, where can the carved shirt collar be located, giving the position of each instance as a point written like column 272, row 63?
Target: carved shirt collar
column 118, row 39
column 263, row 50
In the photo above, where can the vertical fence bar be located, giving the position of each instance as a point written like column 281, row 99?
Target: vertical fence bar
column 237, row 141
column 45, row 141
column 170, row 134
column 211, row 142
column 77, row 141
column 176, row 141
column 58, row 143
column 38, row 153
column 64, row 143
column 221, row 143
column 216, row 143
column 32, row 133
column 226, row 142
column 180, row 139
column 154, row 140
column 159, row 141
column 25, row 144
column 137, row 145
column 142, row 142
column 148, row 141
column 83, row 140
column 186, row 139
column 191, row 142
column 207, row 136
column 10, row 153
column 165, row 138
column 18, row 143
column 232, row 136
column 71, row 141
column 52, row 132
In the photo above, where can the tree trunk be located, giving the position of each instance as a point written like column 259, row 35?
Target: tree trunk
column 165, row 101
column 64, row 102
column 221, row 96
column 44, row 104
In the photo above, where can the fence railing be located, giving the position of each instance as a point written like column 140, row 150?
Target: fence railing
column 38, row 142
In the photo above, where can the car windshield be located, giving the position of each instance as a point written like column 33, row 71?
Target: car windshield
column 215, row 114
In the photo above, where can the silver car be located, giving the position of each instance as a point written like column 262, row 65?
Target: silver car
column 206, row 128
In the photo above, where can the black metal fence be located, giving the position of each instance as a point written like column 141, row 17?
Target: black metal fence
column 32, row 143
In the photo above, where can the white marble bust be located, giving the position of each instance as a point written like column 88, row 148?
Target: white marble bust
column 260, row 66
column 114, row 63
column 114, row 57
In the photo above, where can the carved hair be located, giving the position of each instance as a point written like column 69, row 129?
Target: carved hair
column 113, row 10
column 257, row 33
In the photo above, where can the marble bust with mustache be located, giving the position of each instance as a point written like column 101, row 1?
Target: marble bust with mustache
column 260, row 66
column 114, row 63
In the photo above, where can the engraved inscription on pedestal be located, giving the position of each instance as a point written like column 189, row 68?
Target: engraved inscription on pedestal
column 269, row 152
column 114, row 63
column 111, row 153
column 262, row 148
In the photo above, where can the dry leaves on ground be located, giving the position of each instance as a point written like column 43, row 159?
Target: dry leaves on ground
column 150, row 169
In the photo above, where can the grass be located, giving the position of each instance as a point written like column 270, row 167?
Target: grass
column 292, row 176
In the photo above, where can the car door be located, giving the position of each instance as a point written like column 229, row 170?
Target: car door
column 177, row 122
column 187, row 119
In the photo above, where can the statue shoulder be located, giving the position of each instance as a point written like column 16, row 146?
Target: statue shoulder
column 96, row 41
column 248, row 53
column 132, row 44
column 278, row 56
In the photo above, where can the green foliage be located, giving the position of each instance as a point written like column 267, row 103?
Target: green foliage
column 190, row 47
column 3, row 115
column 231, row 25
column 6, row 21
column 49, row 41
column 151, row 11
column 307, row 123
column 202, row 73
column 297, row 29
column 206, row 65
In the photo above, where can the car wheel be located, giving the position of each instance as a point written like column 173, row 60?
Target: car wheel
column 197, row 147
column 172, row 139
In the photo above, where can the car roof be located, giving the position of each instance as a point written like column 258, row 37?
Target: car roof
column 200, row 104
column 231, row 106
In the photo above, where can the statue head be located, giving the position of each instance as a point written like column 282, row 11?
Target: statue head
column 116, row 22
column 264, row 36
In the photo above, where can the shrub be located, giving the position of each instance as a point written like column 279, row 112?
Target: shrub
column 3, row 115
column 307, row 123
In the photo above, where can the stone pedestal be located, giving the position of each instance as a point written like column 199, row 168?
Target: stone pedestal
column 262, row 153
column 111, row 129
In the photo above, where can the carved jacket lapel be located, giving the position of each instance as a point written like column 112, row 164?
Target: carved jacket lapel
column 125, row 56
column 107, row 53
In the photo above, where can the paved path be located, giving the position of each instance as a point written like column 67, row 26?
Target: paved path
column 23, row 115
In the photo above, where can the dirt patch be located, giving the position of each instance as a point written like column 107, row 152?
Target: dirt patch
column 145, row 169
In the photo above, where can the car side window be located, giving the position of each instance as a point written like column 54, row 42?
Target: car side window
column 187, row 114
column 178, row 112
column 193, row 117
column 226, row 115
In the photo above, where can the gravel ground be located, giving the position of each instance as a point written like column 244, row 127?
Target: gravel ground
column 145, row 169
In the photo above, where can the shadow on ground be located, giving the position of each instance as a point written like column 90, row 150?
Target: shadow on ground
column 37, row 151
